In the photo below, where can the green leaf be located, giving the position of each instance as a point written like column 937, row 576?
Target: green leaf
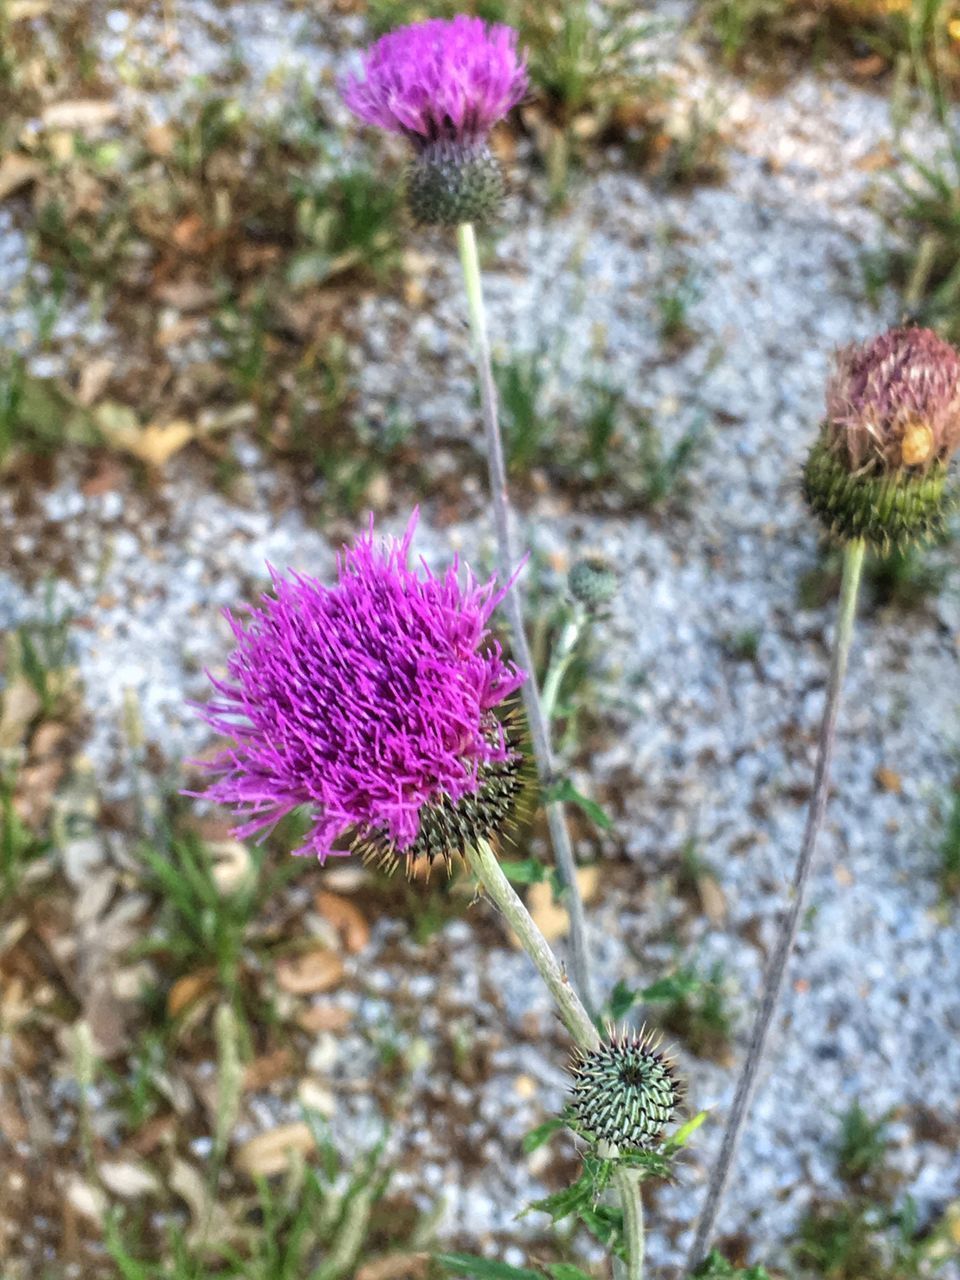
column 675, row 986
column 467, row 1264
column 686, row 1132
column 717, row 1267
column 622, row 1000
column 529, row 871
column 580, row 1196
column 606, row 1223
column 566, row 1271
column 542, row 1133
column 568, row 793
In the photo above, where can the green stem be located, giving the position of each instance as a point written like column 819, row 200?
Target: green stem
column 560, row 660
column 488, row 871
column 628, row 1183
column 776, row 972
column 506, row 564
column 578, row 1022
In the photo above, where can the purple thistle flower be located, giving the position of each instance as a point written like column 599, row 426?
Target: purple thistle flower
column 895, row 401
column 371, row 702
column 439, row 80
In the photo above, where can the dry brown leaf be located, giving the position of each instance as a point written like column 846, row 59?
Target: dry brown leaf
column 323, row 1017
column 231, row 864
column 888, row 780
column 19, row 10
column 269, row 1153
column 49, row 737
column 212, row 1223
column 588, row 881
column 17, row 171
column 86, row 115
column 874, row 64
column 93, row 378
column 21, row 703
column 712, row 899
column 396, row 1266
column 267, row 1068
column 348, row 920
column 312, row 971
column 552, row 920
column 185, row 295
column 108, row 476
column 35, row 790
column 879, row 157
column 188, row 989
column 153, row 444
column 160, row 139
column 88, row 1200
column 128, row 1179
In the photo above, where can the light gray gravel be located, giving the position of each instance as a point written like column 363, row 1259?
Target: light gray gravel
column 704, row 747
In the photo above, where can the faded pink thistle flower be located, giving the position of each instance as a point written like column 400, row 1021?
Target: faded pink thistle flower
column 371, row 702
column 439, row 80
column 894, row 402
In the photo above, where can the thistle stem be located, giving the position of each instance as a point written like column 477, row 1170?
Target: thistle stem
column 776, row 971
column 560, row 660
column 506, row 561
column 628, row 1183
column 486, row 866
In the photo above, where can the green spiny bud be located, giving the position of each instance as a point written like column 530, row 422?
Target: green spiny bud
column 450, row 182
column 625, row 1092
column 593, row 581
column 888, row 510
column 879, row 467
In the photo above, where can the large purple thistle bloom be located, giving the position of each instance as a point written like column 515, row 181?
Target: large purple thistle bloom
column 367, row 702
column 439, row 80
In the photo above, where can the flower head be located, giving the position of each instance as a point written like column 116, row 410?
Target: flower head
column 444, row 85
column 593, row 581
column 373, row 704
column 439, row 80
column 625, row 1091
column 878, row 469
column 895, row 401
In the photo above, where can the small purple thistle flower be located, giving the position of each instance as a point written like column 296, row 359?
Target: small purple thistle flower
column 439, row 80
column 443, row 85
column 371, row 702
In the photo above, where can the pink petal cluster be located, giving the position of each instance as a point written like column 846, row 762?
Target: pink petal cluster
column 365, row 701
column 895, row 400
column 439, row 80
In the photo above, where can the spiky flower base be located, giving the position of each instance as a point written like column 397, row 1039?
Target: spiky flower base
column 450, row 182
column 447, row 828
column 894, row 510
column 625, row 1092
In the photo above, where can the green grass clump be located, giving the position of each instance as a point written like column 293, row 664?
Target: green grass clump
column 861, row 1148
column 700, row 1014
column 949, row 848
column 866, row 36
column 868, row 1234
column 590, row 439
column 318, row 1223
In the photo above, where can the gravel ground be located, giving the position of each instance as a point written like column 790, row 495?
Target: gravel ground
column 701, row 746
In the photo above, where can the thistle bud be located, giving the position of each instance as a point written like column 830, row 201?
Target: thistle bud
column 450, row 182
column 593, row 582
column 625, row 1092
column 878, row 470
